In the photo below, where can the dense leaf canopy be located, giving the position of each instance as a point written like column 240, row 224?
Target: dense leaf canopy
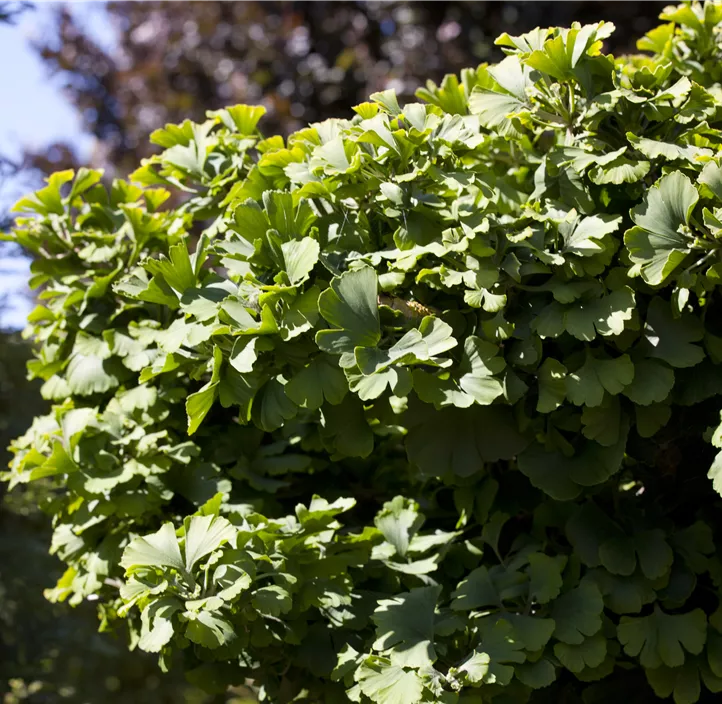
column 413, row 407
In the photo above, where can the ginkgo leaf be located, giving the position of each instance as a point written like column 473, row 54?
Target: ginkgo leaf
column 562, row 476
column 346, row 429
column 513, row 76
column 552, row 385
column 584, row 239
column 273, row 599
column 650, row 419
column 672, row 339
column 159, row 549
column 209, row 630
column 577, row 614
column 715, row 473
column 318, row 381
column 90, row 374
column 612, row 312
column 711, row 176
column 495, row 110
column 198, row 404
column 620, row 170
column 536, row 675
column 398, row 379
column 245, row 353
column 617, row 556
column 405, row 627
column 653, row 552
column 433, row 337
column 300, row 256
column 245, row 117
column 233, row 579
column 203, row 535
column 545, row 578
column 477, row 590
column 651, row 384
column 291, row 220
column 390, row 684
column 399, row 520
column 176, row 270
column 659, row 242
column 602, row 423
column 350, row 304
column 653, row 149
column 533, row 632
column 681, row 682
column 587, row 385
column 476, row 667
column 157, row 624
column 138, row 285
column 411, row 347
column 501, row 643
column 591, row 652
column 662, row 639
column 480, row 358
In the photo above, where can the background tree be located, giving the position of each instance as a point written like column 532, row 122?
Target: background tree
column 10, row 11
column 306, row 61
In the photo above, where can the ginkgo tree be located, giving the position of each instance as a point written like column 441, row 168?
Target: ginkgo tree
column 416, row 406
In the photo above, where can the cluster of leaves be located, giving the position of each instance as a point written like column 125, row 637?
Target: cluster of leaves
column 47, row 651
column 413, row 407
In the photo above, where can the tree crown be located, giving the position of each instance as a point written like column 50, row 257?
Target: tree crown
column 411, row 407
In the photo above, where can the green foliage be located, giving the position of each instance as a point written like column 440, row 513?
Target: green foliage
column 50, row 654
column 47, row 653
column 411, row 407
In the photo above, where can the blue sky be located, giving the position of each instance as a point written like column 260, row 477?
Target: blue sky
column 35, row 114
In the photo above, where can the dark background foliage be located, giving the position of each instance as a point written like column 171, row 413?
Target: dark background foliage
column 306, row 61
column 175, row 60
